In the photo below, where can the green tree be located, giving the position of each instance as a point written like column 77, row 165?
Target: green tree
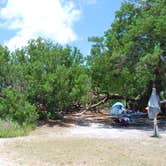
column 51, row 74
column 4, row 66
column 134, row 56
column 14, row 106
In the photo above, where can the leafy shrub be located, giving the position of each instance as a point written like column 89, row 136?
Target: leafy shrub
column 13, row 106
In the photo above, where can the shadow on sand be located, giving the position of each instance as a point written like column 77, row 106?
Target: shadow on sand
column 99, row 120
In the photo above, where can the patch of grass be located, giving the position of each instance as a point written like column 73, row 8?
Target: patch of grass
column 13, row 129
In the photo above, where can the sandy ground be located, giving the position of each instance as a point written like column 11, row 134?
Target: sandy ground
column 44, row 134
column 44, row 145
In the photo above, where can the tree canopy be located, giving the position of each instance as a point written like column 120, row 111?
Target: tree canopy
column 45, row 73
column 133, row 57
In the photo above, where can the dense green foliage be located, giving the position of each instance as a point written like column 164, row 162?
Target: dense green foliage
column 130, row 58
column 44, row 78
column 14, row 106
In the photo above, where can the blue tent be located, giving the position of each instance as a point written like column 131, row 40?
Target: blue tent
column 117, row 108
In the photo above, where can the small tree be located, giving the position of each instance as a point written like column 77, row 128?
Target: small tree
column 14, row 106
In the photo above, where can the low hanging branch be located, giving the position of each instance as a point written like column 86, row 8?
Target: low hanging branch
column 105, row 97
column 97, row 104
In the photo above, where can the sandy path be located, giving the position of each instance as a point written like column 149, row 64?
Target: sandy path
column 93, row 130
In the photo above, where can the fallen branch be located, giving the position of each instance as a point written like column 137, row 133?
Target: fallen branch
column 102, row 98
column 97, row 104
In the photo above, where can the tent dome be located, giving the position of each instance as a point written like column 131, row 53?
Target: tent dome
column 118, row 104
column 117, row 108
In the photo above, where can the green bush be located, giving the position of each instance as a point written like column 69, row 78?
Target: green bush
column 13, row 129
column 13, row 106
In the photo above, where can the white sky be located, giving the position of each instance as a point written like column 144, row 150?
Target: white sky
column 53, row 19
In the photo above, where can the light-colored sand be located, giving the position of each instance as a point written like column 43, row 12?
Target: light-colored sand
column 14, row 151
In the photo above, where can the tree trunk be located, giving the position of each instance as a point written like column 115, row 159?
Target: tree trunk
column 143, row 100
